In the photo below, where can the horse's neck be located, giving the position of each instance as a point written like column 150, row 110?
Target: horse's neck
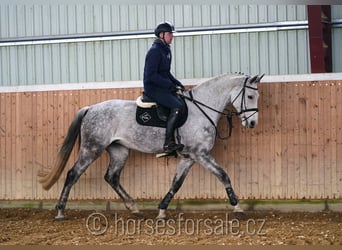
column 216, row 93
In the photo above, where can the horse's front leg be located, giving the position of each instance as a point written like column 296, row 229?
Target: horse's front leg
column 209, row 163
column 181, row 172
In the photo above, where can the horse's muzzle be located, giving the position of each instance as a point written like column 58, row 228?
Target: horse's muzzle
column 249, row 123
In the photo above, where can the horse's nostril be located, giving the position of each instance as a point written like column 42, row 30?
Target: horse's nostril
column 252, row 124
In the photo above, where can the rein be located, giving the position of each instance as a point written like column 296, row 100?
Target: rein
column 228, row 113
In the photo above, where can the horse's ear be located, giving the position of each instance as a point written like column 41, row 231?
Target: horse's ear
column 256, row 78
column 259, row 78
column 253, row 79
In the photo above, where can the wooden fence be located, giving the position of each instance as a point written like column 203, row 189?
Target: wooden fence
column 295, row 152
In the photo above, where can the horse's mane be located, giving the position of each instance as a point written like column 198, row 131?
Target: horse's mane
column 213, row 79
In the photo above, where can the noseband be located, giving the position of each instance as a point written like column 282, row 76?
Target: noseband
column 227, row 112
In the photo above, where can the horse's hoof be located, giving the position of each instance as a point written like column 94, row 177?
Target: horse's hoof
column 161, row 215
column 59, row 218
column 240, row 215
column 161, row 218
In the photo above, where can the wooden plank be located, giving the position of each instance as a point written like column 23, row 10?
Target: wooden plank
column 333, row 90
column 277, row 161
column 53, row 137
column 256, row 170
column 264, row 149
column 39, row 144
column 261, row 134
column 285, row 125
column 338, row 173
column 302, row 140
column 293, row 153
column 10, row 146
column 17, row 157
column 295, row 163
column 315, row 148
column 292, row 139
column 47, row 156
column 333, row 139
column 267, row 121
column 245, row 175
column 309, row 132
column 327, row 140
column 26, row 136
column 3, row 136
column 245, row 155
column 33, row 166
column 321, row 139
column 286, row 129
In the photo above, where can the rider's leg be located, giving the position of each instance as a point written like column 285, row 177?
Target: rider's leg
column 170, row 145
column 176, row 106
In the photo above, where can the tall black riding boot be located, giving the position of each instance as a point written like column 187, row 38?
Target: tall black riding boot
column 170, row 145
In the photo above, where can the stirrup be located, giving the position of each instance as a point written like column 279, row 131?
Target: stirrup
column 171, row 147
column 174, row 154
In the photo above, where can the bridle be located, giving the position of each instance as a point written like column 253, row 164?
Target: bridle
column 228, row 113
column 243, row 108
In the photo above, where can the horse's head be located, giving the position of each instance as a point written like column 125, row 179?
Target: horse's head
column 245, row 100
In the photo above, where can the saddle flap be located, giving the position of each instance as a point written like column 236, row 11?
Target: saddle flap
column 149, row 113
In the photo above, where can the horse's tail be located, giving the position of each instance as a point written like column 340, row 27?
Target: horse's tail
column 49, row 179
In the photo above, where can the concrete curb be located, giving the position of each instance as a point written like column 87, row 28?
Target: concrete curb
column 183, row 205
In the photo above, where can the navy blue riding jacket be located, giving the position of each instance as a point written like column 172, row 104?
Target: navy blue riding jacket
column 159, row 83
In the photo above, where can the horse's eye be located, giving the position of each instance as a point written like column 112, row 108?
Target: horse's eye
column 250, row 97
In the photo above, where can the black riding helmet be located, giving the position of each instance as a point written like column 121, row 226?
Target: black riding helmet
column 164, row 27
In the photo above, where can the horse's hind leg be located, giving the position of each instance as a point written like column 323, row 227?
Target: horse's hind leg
column 85, row 159
column 118, row 156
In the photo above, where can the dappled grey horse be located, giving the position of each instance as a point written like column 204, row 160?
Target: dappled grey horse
column 111, row 126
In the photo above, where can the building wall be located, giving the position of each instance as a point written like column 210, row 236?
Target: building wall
column 194, row 56
column 293, row 153
column 336, row 13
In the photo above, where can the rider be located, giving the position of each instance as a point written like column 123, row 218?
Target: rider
column 160, row 85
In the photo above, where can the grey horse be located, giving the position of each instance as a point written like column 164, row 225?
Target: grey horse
column 111, row 125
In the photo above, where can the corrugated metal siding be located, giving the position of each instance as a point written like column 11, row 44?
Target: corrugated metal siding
column 50, row 18
column 293, row 153
column 278, row 52
column 336, row 13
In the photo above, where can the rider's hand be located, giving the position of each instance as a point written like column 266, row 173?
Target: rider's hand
column 175, row 88
column 180, row 87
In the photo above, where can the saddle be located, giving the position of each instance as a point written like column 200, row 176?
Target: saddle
column 150, row 113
